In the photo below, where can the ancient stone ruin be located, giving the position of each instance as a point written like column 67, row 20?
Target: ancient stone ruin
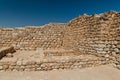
column 86, row 41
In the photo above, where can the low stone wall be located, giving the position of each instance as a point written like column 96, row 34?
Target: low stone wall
column 45, row 65
column 6, row 50
column 60, row 53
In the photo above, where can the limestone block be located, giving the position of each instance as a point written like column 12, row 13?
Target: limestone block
column 106, row 49
column 27, row 69
column 118, row 46
column 19, row 63
column 117, row 50
column 38, row 69
column 31, row 62
column 1, row 67
column 22, row 67
column 11, row 67
column 24, row 62
column 102, row 52
column 9, row 55
column 15, row 70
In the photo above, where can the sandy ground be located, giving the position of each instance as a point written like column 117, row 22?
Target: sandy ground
column 106, row 72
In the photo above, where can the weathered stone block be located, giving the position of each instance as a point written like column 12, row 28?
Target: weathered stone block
column 6, row 50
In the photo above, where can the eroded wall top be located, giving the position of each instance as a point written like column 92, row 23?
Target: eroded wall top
column 85, row 34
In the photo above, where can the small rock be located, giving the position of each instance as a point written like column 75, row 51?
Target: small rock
column 106, row 55
column 5, row 66
column 1, row 67
column 9, row 55
column 116, row 50
column 19, row 62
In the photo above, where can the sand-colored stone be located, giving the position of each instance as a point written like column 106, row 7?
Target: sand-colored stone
column 86, row 41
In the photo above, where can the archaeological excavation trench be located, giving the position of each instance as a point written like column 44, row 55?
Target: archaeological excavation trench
column 86, row 41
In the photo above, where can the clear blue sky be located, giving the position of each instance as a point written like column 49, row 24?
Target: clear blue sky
column 18, row 13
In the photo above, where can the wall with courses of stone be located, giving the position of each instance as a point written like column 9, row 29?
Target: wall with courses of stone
column 95, row 34
column 30, row 38
column 84, row 34
column 49, row 64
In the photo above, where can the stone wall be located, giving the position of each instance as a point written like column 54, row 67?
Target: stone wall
column 50, row 64
column 30, row 38
column 85, row 34
column 94, row 34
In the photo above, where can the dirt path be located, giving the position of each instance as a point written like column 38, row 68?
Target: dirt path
column 106, row 72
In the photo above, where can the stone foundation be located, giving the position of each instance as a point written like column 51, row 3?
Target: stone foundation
column 50, row 64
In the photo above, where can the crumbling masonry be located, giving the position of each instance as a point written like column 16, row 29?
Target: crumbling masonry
column 85, row 41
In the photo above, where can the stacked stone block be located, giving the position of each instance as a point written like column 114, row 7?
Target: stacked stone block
column 49, row 64
column 95, row 34
column 85, row 35
column 30, row 38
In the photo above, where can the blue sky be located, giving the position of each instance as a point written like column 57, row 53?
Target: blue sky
column 19, row 13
